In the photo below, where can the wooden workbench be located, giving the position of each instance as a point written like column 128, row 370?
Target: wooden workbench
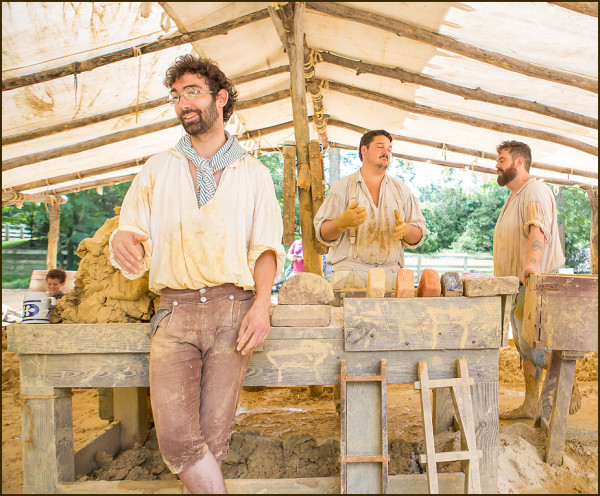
column 56, row 358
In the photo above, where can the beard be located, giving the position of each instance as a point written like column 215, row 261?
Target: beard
column 507, row 176
column 202, row 124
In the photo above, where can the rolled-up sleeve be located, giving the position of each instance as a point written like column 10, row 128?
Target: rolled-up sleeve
column 538, row 212
column 332, row 207
column 135, row 217
column 413, row 215
column 267, row 228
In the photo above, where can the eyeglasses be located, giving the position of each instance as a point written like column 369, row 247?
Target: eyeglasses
column 189, row 94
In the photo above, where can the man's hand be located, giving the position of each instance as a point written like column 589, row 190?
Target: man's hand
column 255, row 327
column 128, row 250
column 353, row 216
column 530, row 268
column 401, row 229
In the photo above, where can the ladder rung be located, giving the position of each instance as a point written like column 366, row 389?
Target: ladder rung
column 364, row 378
column 451, row 456
column 364, row 458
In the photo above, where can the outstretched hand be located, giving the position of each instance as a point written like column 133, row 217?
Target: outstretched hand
column 353, row 216
column 128, row 250
column 401, row 229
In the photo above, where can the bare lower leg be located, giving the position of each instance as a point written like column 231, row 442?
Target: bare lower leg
column 532, row 395
column 204, row 477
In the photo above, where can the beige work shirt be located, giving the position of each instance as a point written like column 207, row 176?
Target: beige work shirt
column 532, row 205
column 218, row 243
column 374, row 243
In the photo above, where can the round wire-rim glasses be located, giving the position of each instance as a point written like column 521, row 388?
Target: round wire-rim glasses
column 189, row 94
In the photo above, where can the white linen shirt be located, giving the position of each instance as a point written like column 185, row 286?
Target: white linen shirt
column 374, row 243
column 191, row 247
column 532, row 205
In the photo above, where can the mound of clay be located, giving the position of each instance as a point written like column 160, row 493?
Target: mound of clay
column 101, row 293
column 305, row 288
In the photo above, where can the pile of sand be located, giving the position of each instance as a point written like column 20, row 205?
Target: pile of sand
column 101, row 293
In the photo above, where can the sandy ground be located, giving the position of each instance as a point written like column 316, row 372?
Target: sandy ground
column 283, row 432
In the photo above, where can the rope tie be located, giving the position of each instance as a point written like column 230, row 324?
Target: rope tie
column 22, row 399
column 137, row 52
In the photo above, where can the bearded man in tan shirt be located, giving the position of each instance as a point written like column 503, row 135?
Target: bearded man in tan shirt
column 526, row 241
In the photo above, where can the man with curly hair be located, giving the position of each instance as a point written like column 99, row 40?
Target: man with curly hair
column 203, row 219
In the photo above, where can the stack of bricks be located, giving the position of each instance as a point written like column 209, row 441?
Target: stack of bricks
column 304, row 301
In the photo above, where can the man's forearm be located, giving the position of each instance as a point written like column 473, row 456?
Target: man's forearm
column 330, row 230
column 264, row 275
column 535, row 246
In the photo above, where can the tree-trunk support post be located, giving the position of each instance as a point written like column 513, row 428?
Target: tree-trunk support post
column 53, row 235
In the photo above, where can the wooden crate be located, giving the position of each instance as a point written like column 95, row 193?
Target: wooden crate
column 561, row 312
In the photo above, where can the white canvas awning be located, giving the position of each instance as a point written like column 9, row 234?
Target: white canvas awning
column 410, row 68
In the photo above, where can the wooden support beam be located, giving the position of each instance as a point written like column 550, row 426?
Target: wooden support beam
column 460, row 149
column 463, row 119
column 62, row 151
column 288, row 20
column 587, row 8
column 592, row 196
column 81, row 175
column 474, row 168
column 131, row 410
column 53, row 235
column 15, row 198
column 313, row 87
column 467, row 93
column 289, row 193
column 260, row 74
column 127, row 111
column 443, row 42
column 127, row 53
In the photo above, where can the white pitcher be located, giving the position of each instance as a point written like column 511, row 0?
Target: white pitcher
column 37, row 307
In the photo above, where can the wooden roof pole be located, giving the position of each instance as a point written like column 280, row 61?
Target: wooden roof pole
column 464, row 119
column 587, row 8
column 467, row 93
column 592, row 196
column 448, row 43
column 53, row 235
column 128, row 53
column 289, row 24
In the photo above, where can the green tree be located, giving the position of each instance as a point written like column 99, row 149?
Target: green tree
column 575, row 212
column 483, row 208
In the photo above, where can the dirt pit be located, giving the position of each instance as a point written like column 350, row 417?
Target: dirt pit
column 284, row 432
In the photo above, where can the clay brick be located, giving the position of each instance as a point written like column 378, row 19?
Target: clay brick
column 451, row 284
column 305, row 288
column 429, row 285
column 491, row 286
column 376, row 283
column 405, row 283
column 301, row 316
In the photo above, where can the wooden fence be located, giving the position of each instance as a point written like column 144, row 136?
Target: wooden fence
column 455, row 262
column 15, row 231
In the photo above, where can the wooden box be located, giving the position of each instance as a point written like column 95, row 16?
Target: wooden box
column 561, row 312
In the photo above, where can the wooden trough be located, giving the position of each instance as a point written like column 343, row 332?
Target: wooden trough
column 56, row 358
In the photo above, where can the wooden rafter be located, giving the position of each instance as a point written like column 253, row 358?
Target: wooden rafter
column 437, row 40
column 462, row 150
column 128, row 134
column 587, row 8
column 131, row 110
column 127, row 53
column 464, row 119
column 468, row 93
column 62, row 151
column 474, row 168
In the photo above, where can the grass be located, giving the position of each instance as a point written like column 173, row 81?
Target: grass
column 26, row 244
column 15, row 281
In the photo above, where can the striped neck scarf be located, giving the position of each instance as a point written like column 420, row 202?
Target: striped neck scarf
column 205, row 168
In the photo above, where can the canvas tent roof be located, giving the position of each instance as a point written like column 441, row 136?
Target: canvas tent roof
column 407, row 67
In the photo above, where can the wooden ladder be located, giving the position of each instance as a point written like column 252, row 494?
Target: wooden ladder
column 460, row 389
column 364, row 436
